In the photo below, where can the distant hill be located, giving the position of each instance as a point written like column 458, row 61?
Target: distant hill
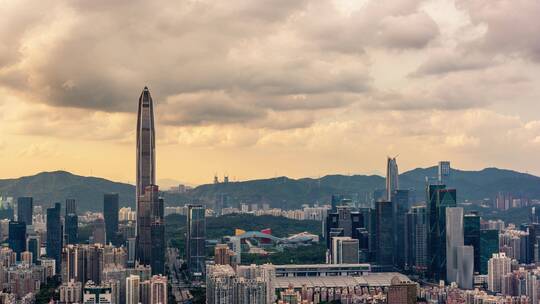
column 49, row 187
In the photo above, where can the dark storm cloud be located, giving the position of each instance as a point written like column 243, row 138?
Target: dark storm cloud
column 243, row 61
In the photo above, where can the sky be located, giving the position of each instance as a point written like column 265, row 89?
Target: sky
column 257, row 89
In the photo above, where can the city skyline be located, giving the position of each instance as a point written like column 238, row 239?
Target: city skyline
column 275, row 91
column 254, row 171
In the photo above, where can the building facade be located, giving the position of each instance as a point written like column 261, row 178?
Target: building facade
column 54, row 235
column 25, row 209
column 196, row 241
column 110, row 214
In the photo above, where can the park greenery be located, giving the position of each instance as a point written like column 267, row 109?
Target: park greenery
column 218, row 227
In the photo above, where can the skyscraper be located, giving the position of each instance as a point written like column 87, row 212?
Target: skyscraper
column 110, row 213
column 384, row 234
column 54, row 235
column 343, row 222
column 417, row 228
column 471, row 236
column 17, row 237
column 438, row 198
column 195, row 241
column 465, row 261
column 33, row 245
column 71, row 206
column 72, row 222
column 444, row 172
column 400, row 206
column 25, row 207
column 489, row 245
column 392, row 177
column 151, row 230
column 454, row 239
column 146, row 147
column 150, row 225
column 72, row 228
column 98, row 231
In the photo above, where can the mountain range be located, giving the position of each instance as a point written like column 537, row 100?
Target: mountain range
column 50, row 187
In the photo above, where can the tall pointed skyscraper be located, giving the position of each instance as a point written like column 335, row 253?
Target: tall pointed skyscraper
column 392, row 178
column 146, row 144
column 150, row 247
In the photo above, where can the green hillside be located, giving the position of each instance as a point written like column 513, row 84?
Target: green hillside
column 49, row 187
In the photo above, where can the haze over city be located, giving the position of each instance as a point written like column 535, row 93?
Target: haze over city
column 263, row 88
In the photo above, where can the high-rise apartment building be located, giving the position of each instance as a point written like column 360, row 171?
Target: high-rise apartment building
column 110, row 213
column 70, row 292
column 247, row 285
column 195, row 241
column 158, row 290
column 132, row 289
column 402, row 292
column 144, row 292
column 84, row 262
column 223, row 254
column 26, row 257
column 498, row 266
column 54, row 235
column 97, row 294
column 25, row 208
column 220, row 281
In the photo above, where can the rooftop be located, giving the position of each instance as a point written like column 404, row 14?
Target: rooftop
column 368, row 280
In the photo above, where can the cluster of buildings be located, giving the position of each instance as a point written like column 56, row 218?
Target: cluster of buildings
column 314, row 213
column 345, row 283
column 505, row 201
column 22, row 280
column 370, row 247
column 119, row 264
column 453, row 294
column 434, row 241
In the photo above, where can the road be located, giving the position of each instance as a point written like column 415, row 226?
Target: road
column 180, row 288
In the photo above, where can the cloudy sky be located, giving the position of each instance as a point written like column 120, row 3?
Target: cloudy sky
column 270, row 87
